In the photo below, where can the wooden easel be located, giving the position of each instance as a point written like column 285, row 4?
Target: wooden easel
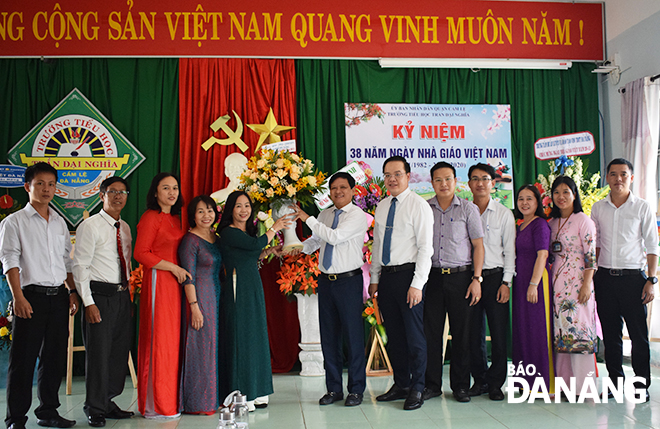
column 378, row 364
column 69, row 359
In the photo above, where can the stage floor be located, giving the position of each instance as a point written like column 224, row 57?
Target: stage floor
column 294, row 405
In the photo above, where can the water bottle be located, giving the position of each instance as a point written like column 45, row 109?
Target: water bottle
column 240, row 408
column 227, row 420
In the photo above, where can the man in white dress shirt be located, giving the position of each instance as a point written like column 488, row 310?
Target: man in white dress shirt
column 35, row 249
column 626, row 244
column 498, row 271
column 101, row 269
column 339, row 233
column 401, row 261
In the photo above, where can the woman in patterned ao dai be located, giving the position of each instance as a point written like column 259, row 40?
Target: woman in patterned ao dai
column 573, row 246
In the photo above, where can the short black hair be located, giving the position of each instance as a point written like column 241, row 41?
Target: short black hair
column 192, row 208
column 342, row 175
column 38, row 168
column 620, row 161
column 487, row 168
column 228, row 214
column 406, row 165
column 110, row 180
column 152, row 201
column 539, row 202
column 577, row 203
column 442, row 164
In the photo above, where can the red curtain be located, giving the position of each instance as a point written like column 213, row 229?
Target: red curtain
column 213, row 87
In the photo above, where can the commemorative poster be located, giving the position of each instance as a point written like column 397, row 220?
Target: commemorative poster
column 424, row 134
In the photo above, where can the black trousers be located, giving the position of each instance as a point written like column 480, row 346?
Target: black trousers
column 498, row 322
column 619, row 298
column 107, row 344
column 445, row 293
column 340, row 315
column 406, row 344
column 44, row 336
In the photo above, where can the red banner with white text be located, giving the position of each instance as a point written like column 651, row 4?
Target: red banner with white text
column 336, row 29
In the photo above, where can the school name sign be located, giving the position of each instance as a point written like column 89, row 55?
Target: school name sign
column 338, row 29
column 84, row 147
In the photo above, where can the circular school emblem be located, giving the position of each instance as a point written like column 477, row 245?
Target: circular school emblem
column 82, row 148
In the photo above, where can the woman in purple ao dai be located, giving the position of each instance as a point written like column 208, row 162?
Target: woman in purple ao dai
column 532, row 292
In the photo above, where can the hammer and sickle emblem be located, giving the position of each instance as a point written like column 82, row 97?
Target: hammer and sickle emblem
column 233, row 137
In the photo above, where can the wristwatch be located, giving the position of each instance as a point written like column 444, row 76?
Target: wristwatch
column 653, row 280
column 506, row 284
column 478, row 278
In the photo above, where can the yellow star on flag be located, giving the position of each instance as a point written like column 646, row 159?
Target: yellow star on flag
column 269, row 131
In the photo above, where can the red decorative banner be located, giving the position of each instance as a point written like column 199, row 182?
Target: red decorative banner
column 336, row 29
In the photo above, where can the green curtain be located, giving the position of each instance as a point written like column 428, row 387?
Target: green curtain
column 543, row 103
column 139, row 96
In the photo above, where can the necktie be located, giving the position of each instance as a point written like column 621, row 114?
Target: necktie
column 122, row 261
column 327, row 253
column 387, row 239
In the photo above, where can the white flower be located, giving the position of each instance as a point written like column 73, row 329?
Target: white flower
column 262, row 216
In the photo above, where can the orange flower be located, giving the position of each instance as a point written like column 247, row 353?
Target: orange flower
column 369, row 311
column 299, row 274
column 135, row 282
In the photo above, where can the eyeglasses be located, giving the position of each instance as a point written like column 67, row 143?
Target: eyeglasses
column 480, row 179
column 120, row 193
column 395, row 175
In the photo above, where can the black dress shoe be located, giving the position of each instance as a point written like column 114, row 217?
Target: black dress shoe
column 263, row 405
column 414, row 400
column 353, row 399
column 96, row 420
column 478, row 389
column 462, row 395
column 496, row 395
column 16, row 425
column 331, row 397
column 393, row 394
column 430, row 393
column 647, row 397
column 56, row 422
column 119, row 414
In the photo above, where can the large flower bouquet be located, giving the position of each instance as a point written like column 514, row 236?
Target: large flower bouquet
column 367, row 196
column 299, row 274
column 271, row 176
column 573, row 167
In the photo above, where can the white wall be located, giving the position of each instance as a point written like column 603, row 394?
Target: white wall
column 639, row 56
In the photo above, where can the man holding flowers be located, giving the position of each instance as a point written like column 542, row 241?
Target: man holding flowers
column 339, row 233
